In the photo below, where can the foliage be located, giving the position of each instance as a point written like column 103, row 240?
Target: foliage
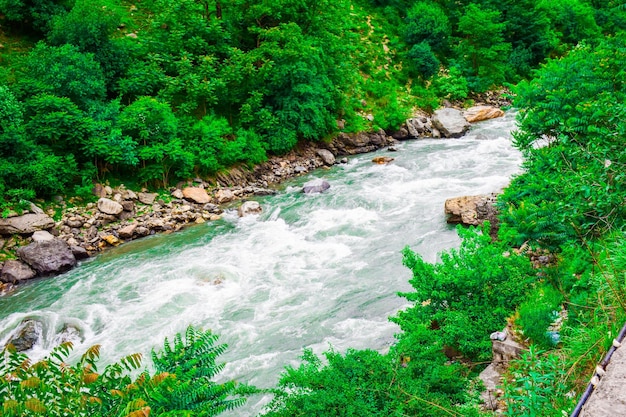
column 537, row 313
column 536, row 386
column 366, row 383
column 55, row 388
column 468, row 294
column 571, row 133
column 428, row 23
column 482, row 52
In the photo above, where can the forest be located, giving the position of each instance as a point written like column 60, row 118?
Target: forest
column 158, row 91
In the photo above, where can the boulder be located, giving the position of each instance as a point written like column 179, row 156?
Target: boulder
column 41, row 235
column 108, row 206
column 26, row 224
column 382, row 160
column 127, row 232
column 15, row 271
column 249, row 208
column 418, row 127
column 224, row 196
column 48, row 257
column 196, row 195
column 35, row 209
column 147, row 198
column 471, row 210
column 315, row 186
column 450, row 122
column 327, row 156
column 480, row 113
column 178, row 193
column 79, row 252
column 28, row 335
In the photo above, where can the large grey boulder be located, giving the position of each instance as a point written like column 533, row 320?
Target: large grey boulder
column 26, row 224
column 327, row 156
column 42, row 235
column 450, row 122
column 15, row 271
column 315, row 186
column 108, row 206
column 49, row 257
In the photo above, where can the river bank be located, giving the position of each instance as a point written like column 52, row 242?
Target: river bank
column 44, row 247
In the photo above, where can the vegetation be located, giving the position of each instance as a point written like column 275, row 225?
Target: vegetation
column 199, row 86
column 181, row 385
column 162, row 90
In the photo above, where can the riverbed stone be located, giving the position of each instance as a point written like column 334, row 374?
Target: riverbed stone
column 382, row 160
column 14, row 272
column 450, row 122
column 41, row 235
column 49, row 257
column 79, row 252
column 127, row 232
column 471, row 210
column 147, row 198
column 327, row 156
column 315, row 186
column 249, row 208
column 25, row 224
column 196, row 195
column 224, row 196
column 108, row 206
column 480, row 113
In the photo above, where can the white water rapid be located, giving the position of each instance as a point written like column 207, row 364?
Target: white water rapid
column 311, row 271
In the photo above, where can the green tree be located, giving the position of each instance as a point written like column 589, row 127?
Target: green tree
column 35, row 15
column 62, row 71
column 482, row 51
column 427, row 22
column 154, row 128
column 573, row 19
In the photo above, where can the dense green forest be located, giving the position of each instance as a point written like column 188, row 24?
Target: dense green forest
column 166, row 89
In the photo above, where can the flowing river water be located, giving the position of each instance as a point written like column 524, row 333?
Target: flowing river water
column 315, row 271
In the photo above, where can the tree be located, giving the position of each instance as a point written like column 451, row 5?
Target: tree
column 35, row 15
column 482, row 51
column 62, row 71
column 428, row 23
column 153, row 127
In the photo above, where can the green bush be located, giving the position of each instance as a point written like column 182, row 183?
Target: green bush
column 468, row 294
column 537, row 313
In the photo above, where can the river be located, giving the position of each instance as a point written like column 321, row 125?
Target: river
column 315, row 271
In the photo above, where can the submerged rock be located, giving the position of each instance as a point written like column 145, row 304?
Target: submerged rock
column 315, row 186
column 249, row 208
column 27, row 335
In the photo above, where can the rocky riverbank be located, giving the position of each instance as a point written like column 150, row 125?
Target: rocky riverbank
column 45, row 247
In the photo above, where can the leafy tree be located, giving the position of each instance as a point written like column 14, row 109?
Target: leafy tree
column 573, row 19
column 89, row 26
column 62, row 71
column 482, row 51
column 422, row 58
column 153, row 127
column 35, row 15
column 428, row 23
column 570, row 133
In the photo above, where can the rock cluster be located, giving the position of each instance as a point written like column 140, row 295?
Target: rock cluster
column 447, row 122
column 473, row 210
